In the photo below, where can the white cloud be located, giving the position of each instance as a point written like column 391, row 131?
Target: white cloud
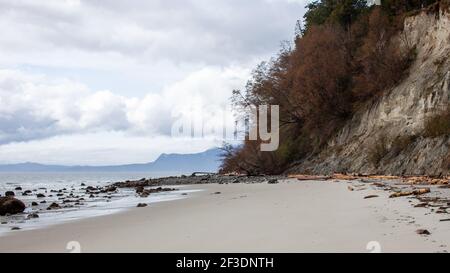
column 93, row 69
column 35, row 107
column 182, row 31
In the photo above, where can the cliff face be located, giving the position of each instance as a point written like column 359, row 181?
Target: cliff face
column 388, row 135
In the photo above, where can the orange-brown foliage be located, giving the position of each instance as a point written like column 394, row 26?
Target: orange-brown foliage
column 318, row 84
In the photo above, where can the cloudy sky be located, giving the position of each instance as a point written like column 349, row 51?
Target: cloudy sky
column 103, row 81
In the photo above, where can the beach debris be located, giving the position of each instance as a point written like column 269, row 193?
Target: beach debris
column 11, row 205
column 430, row 199
column 9, row 193
column 53, row 206
column 40, row 195
column 421, row 191
column 15, row 228
column 421, row 205
column 425, row 180
column 412, row 180
column 273, row 181
column 371, row 196
column 32, row 216
column 400, row 194
column 340, row 176
column 18, row 188
column 350, row 188
column 423, row 232
column 82, row 185
column 4, row 223
column 217, row 192
column 309, row 177
column 444, row 220
column 34, row 204
column 142, row 205
column 383, row 177
column 407, row 193
column 184, row 193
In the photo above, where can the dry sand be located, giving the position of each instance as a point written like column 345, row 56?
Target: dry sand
column 292, row 216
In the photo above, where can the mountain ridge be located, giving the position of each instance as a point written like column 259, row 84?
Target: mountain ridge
column 207, row 161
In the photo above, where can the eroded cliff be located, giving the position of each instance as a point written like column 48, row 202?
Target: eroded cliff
column 389, row 136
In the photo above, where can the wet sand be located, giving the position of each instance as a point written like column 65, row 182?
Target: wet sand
column 291, row 216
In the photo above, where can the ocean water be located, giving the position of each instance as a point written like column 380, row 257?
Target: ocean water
column 70, row 183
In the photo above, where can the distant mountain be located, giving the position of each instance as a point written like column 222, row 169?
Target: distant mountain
column 208, row 161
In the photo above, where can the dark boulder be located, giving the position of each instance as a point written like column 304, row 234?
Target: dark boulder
column 34, row 204
column 10, row 205
column 40, row 195
column 273, row 181
column 145, row 194
column 90, row 188
column 27, row 192
column 423, row 232
column 53, row 206
column 10, row 194
column 33, row 216
column 139, row 189
column 111, row 188
column 142, row 205
column 18, row 188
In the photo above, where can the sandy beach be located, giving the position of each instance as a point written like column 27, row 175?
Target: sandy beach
column 291, row 216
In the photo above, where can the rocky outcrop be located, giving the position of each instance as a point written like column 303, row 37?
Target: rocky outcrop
column 10, row 205
column 388, row 135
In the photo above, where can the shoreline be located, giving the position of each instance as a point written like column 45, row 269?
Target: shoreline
column 290, row 216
